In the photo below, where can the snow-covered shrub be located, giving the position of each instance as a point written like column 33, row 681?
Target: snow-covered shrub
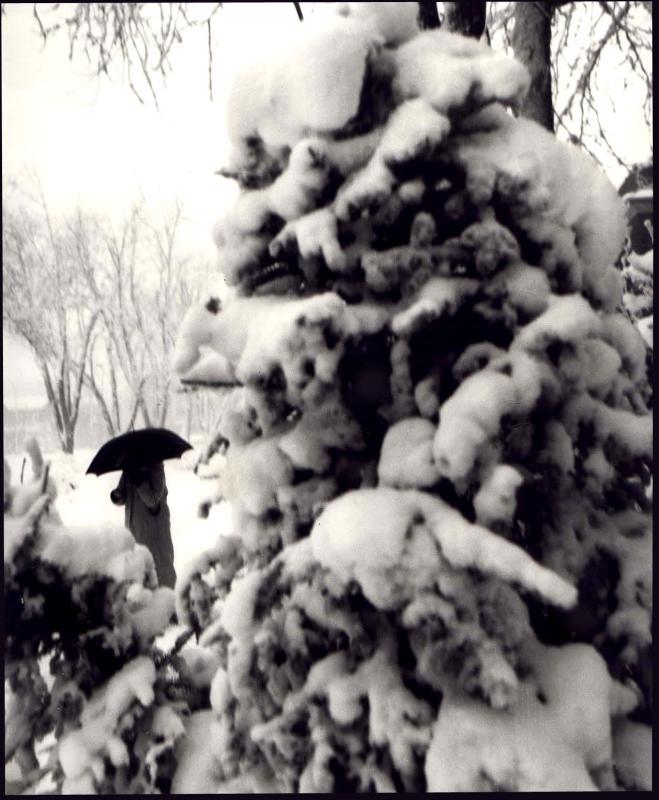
column 83, row 676
column 638, row 261
column 439, row 456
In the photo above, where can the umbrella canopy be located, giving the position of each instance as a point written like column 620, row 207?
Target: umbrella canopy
column 137, row 448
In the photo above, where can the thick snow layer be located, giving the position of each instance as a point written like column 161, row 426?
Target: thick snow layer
column 295, row 192
column 225, row 331
column 102, row 552
column 473, row 413
column 212, row 369
column 520, row 156
column 633, row 432
column 644, row 262
column 495, row 500
column 18, row 529
column 406, row 456
column 344, row 155
column 548, row 744
column 279, row 336
column 646, row 327
column 438, row 296
column 568, row 319
column 253, row 473
column 414, row 129
column 24, row 495
column 79, row 750
column 527, row 288
column 632, row 754
column 387, row 541
column 258, row 333
column 312, row 82
column 196, row 772
column 238, row 610
column 153, row 617
column 582, row 710
column 394, row 23
column 447, row 69
column 617, row 331
column 476, row 748
column 314, row 234
column 397, row 719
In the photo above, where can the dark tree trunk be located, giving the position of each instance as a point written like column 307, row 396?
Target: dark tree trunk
column 428, row 17
column 68, row 441
column 466, row 17
column 532, row 46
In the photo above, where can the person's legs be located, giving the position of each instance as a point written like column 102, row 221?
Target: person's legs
column 164, row 559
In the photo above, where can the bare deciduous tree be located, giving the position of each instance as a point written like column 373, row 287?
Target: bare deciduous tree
column 571, row 50
column 42, row 304
column 137, row 279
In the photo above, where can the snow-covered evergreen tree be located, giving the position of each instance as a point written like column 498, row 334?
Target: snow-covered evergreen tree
column 439, row 464
column 92, row 705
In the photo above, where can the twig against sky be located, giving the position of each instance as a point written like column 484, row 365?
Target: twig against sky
column 138, row 36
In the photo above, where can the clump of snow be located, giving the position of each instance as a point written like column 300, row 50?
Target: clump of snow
column 551, row 741
column 397, row 719
column 18, row 529
column 632, row 754
column 212, row 369
column 84, row 549
column 406, row 456
column 315, row 234
column 196, row 772
column 438, row 296
column 312, row 83
column 153, row 616
column 527, row 288
column 646, row 327
column 80, row 751
column 253, row 473
column 238, row 610
column 386, row 540
column 473, row 413
column 415, row 130
column 524, row 161
column 617, row 332
column 495, row 500
column 568, row 319
column 396, row 24
column 224, row 329
column 446, row 68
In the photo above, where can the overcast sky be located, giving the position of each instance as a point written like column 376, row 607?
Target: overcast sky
column 92, row 142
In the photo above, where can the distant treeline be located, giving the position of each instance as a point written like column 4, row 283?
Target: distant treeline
column 189, row 414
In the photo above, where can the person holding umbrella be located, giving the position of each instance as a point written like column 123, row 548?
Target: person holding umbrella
column 142, row 489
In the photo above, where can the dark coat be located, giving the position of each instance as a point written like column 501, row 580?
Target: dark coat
column 144, row 493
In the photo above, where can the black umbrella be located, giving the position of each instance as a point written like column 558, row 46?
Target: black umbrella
column 137, row 448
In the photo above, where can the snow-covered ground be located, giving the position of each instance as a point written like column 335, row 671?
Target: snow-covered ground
column 85, row 498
